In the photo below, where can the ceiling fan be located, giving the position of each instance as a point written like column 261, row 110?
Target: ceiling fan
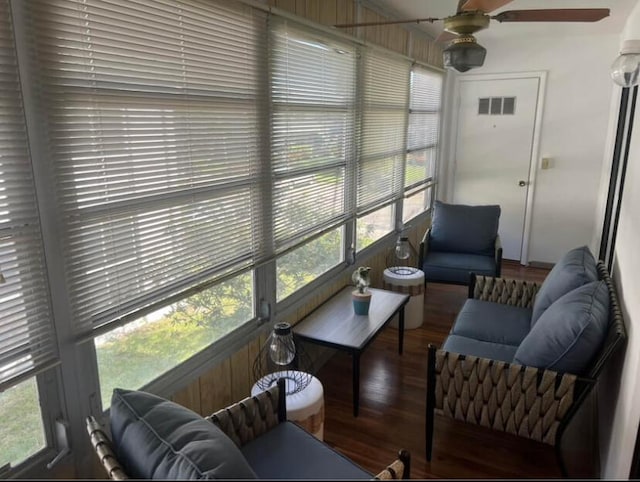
column 463, row 51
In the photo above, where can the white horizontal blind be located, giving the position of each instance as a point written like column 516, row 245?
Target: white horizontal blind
column 27, row 337
column 153, row 109
column 313, row 85
column 385, row 87
column 424, row 126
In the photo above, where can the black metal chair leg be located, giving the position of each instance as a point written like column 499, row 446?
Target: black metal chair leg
column 431, row 399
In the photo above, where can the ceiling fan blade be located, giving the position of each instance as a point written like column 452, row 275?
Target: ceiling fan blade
column 485, row 6
column 387, row 22
column 445, row 36
column 553, row 15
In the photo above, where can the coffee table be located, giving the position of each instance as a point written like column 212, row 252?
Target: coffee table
column 334, row 324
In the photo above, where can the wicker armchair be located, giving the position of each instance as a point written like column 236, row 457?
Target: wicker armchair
column 243, row 422
column 521, row 400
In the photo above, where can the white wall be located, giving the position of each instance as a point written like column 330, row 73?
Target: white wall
column 620, row 403
column 574, row 131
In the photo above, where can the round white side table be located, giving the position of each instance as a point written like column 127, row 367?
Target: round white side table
column 305, row 407
column 413, row 285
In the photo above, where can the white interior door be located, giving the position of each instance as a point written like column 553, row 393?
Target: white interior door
column 494, row 143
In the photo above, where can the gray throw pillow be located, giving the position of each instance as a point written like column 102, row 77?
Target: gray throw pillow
column 459, row 228
column 569, row 333
column 576, row 268
column 155, row 438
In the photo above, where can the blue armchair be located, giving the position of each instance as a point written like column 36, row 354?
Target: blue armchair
column 462, row 239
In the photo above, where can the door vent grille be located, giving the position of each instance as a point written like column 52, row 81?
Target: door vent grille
column 496, row 105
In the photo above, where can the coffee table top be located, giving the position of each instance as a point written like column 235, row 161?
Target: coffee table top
column 335, row 324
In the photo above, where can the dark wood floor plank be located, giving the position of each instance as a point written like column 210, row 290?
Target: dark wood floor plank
column 392, row 405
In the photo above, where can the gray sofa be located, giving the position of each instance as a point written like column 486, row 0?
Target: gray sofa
column 154, row 438
column 521, row 357
column 462, row 239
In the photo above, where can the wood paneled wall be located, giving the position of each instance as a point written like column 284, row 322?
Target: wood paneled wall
column 232, row 379
column 393, row 37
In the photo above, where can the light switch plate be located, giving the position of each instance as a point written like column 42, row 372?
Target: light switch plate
column 546, row 163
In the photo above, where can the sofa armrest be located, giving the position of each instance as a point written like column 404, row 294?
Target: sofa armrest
column 249, row 418
column 525, row 401
column 503, row 290
column 398, row 469
column 423, row 249
column 104, row 450
column 498, row 255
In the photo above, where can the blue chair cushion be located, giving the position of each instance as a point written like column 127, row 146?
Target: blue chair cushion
column 493, row 322
column 289, row 452
column 570, row 332
column 455, row 267
column 483, row 349
column 576, row 268
column 155, row 438
column 460, row 228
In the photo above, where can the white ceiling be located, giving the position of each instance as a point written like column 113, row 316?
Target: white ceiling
column 410, row 9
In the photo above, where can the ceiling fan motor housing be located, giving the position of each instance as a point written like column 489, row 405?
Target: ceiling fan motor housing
column 466, row 23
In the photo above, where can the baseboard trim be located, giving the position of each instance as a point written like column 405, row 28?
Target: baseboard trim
column 541, row 264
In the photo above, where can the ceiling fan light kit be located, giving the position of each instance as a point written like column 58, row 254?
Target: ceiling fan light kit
column 626, row 67
column 464, row 53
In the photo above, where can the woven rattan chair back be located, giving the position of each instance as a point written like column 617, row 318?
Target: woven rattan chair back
column 104, row 449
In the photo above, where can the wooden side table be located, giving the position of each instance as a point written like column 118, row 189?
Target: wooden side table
column 334, row 324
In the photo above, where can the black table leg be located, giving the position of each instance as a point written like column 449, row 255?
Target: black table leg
column 401, row 330
column 355, row 356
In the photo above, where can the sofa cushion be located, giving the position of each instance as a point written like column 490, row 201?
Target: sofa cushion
column 155, row 438
column 570, row 332
column 576, row 268
column 455, row 267
column 461, row 228
column 492, row 322
column 289, row 452
column 483, row 349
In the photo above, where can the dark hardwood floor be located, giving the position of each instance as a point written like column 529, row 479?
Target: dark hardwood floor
column 392, row 405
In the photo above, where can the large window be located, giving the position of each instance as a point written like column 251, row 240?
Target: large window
column 154, row 110
column 134, row 354
column 28, row 343
column 313, row 91
column 422, row 140
column 382, row 142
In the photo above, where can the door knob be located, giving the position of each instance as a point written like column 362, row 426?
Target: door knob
column 522, row 183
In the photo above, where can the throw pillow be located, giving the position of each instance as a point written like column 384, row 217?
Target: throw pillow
column 570, row 332
column 159, row 439
column 459, row 228
column 576, row 268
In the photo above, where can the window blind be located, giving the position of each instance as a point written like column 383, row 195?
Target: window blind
column 313, row 82
column 27, row 337
column 385, row 87
column 424, row 126
column 153, row 111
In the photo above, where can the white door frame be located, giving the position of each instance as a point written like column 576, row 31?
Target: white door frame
column 535, row 144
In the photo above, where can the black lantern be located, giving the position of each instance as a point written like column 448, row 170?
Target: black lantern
column 403, row 258
column 282, row 357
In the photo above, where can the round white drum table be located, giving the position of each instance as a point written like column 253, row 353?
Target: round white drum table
column 305, row 407
column 413, row 285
